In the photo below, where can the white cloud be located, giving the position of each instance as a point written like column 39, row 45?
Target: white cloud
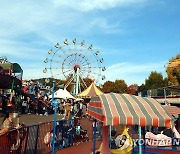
column 28, row 28
column 133, row 73
column 29, row 74
column 91, row 5
column 53, row 19
column 18, row 49
column 103, row 25
column 35, row 73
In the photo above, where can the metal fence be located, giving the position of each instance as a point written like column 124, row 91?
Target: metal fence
column 37, row 139
column 15, row 141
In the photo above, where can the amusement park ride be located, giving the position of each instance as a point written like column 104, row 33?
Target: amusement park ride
column 74, row 61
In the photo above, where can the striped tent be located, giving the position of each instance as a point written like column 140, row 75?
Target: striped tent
column 173, row 109
column 91, row 91
column 125, row 109
column 168, row 100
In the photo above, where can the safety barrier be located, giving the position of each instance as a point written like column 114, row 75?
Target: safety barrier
column 15, row 141
column 37, row 139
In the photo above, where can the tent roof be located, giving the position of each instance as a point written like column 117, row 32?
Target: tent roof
column 91, row 91
column 62, row 94
column 173, row 109
column 168, row 100
column 17, row 68
column 14, row 67
column 125, row 109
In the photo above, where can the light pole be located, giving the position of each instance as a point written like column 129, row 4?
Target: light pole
column 54, row 104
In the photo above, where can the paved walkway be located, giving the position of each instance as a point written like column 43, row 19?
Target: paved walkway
column 34, row 119
column 83, row 148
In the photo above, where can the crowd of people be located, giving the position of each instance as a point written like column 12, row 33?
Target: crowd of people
column 34, row 99
column 41, row 103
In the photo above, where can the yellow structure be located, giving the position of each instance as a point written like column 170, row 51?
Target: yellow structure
column 126, row 148
column 91, row 91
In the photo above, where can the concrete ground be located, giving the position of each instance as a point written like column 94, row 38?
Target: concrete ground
column 34, row 119
column 83, row 148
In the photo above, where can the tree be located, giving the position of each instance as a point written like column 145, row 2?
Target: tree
column 173, row 72
column 154, row 84
column 132, row 89
column 120, row 86
column 142, row 89
column 154, row 81
column 108, row 86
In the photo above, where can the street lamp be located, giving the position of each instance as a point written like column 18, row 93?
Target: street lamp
column 54, row 104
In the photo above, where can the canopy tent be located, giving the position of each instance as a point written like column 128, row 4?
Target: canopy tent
column 10, row 68
column 64, row 94
column 173, row 109
column 10, row 73
column 125, row 109
column 173, row 100
column 91, row 91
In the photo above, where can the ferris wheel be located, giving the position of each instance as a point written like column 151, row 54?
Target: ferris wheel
column 74, row 61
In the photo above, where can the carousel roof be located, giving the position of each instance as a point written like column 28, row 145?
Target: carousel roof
column 125, row 109
column 91, row 91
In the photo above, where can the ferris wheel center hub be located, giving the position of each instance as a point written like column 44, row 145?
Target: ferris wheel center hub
column 76, row 67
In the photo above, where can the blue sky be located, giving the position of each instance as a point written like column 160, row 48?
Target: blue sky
column 134, row 37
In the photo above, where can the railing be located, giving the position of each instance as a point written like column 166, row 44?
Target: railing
column 36, row 139
column 15, row 141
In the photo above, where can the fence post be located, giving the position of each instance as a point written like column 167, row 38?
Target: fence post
column 27, row 129
column 71, row 134
column 37, row 135
column 94, row 143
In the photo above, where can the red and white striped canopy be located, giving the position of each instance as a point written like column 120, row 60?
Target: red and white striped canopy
column 125, row 109
column 173, row 109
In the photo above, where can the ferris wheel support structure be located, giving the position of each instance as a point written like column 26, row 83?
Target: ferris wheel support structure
column 77, row 82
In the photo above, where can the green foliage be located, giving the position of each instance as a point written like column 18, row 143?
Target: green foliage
column 154, row 81
column 108, row 86
column 120, row 86
column 173, row 73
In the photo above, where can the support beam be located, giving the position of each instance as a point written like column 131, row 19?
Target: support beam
column 140, row 146
column 77, row 80
column 94, row 143
column 105, row 137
